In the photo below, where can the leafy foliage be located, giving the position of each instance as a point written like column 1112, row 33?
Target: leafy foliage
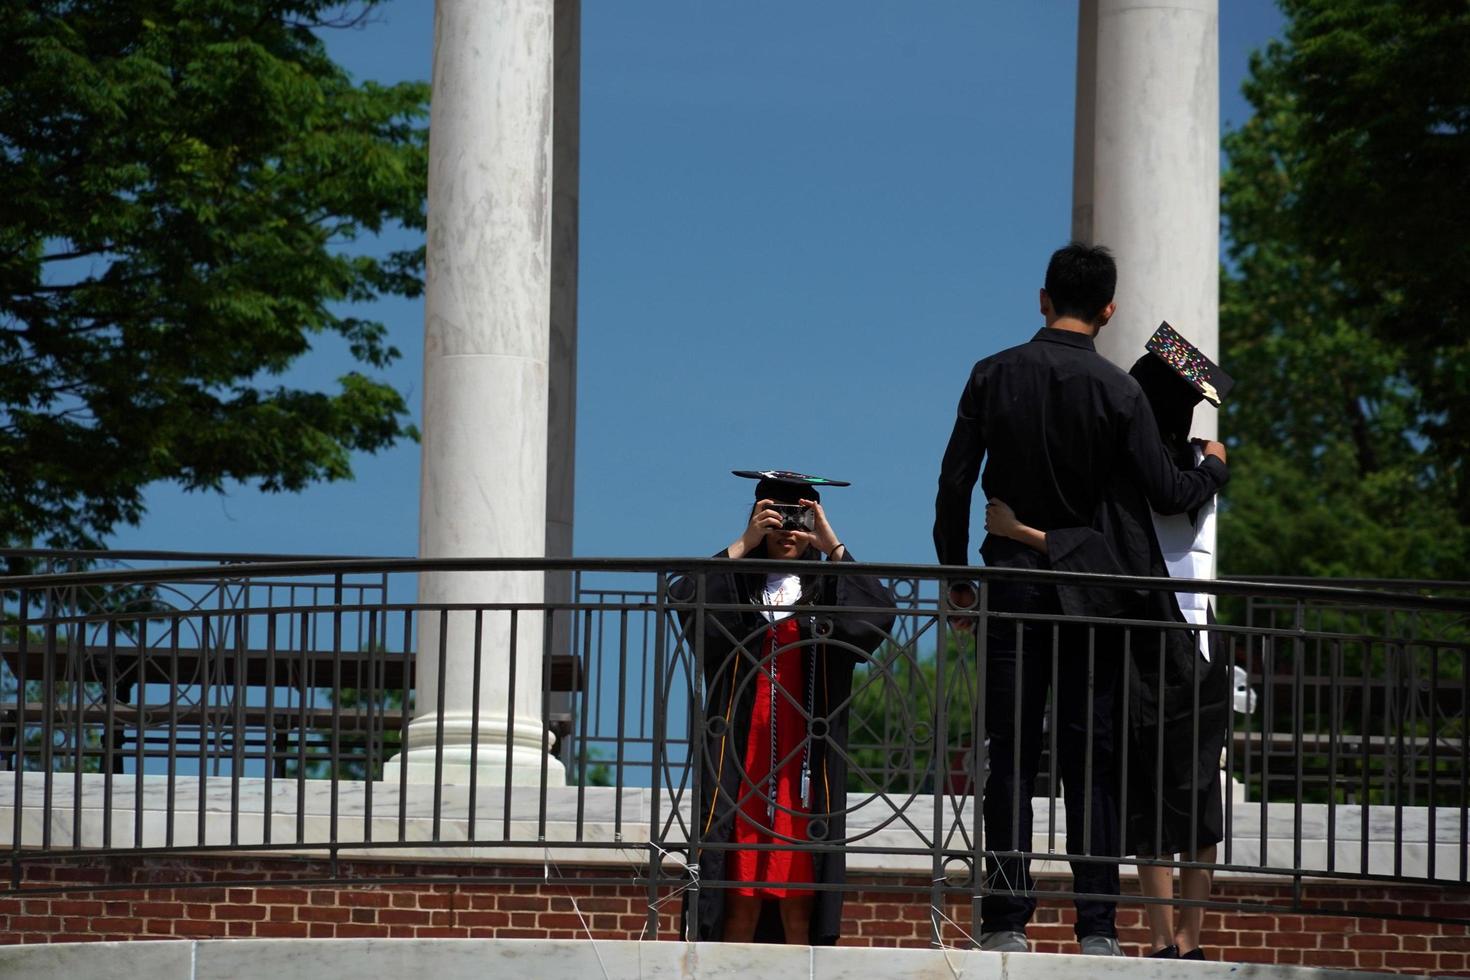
column 1344, row 302
column 184, row 182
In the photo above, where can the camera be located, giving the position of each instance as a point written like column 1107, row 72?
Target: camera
column 795, row 517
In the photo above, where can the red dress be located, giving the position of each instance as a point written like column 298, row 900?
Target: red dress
column 754, row 823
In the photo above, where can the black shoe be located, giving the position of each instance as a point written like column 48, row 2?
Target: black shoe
column 1170, row 952
column 1198, row 953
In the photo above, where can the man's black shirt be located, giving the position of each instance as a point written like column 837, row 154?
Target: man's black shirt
column 1063, row 429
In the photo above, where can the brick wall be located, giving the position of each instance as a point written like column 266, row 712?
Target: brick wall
column 289, row 899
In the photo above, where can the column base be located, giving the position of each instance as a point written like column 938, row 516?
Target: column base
column 530, row 746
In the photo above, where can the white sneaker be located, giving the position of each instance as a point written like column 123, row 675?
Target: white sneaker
column 1100, row 946
column 1004, row 942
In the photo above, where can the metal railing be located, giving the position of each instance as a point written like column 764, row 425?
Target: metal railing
column 261, row 706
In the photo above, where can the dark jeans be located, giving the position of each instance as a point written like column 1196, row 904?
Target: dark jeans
column 1090, row 787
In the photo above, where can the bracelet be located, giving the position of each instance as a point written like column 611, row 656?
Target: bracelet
column 834, row 549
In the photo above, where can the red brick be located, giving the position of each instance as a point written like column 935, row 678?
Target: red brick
column 1330, row 957
column 1461, row 943
column 281, row 913
column 250, row 912
column 62, row 906
column 171, row 910
column 35, row 923
column 312, row 913
column 1370, row 960
column 413, row 917
column 364, row 899
column 521, row 903
column 408, row 900
column 240, row 928
column 502, row 934
column 91, row 876
column 281, row 930
column 557, row 920
column 597, row 903
column 451, row 932
column 1418, row 960
column 895, row 929
column 281, row 896
column 1257, row 922
column 1373, row 942
column 198, row 911
column 1253, row 955
column 1293, row 940
column 321, row 930
column 241, row 896
column 354, row 930
column 199, row 927
column 492, row 919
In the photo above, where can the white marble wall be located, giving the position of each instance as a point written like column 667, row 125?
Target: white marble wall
column 614, row 825
column 578, row 959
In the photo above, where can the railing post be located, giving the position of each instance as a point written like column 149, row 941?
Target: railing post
column 655, row 781
column 939, row 766
column 979, row 756
column 696, row 755
column 23, row 654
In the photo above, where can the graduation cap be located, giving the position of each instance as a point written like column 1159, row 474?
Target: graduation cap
column 1207, row 378
column 786, row 486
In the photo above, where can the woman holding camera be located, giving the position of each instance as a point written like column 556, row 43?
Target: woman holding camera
column 778, row 664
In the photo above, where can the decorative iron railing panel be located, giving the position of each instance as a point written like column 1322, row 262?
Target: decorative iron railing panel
column 261, row 705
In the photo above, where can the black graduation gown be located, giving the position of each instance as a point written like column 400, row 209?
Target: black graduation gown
column 1122, row 541
column 842, row 641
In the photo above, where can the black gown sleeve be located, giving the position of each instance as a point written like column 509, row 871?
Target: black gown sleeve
column 957, row 475
column 864, row 630
column 1169, row 489
column 725, row 629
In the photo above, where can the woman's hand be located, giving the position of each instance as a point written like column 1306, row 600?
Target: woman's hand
column 1000, row 519
column 762, row 520
column 822, row 534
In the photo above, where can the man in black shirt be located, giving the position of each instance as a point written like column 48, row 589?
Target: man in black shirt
column 1062, row 429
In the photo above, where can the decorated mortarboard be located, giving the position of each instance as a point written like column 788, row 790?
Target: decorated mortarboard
column 1187, row 361
column 786, row 484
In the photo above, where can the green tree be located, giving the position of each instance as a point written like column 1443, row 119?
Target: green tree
column 187, row 187
column 1344, row 301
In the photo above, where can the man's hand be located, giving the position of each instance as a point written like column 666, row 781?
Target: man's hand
column 1215, row 449
column 962, row 596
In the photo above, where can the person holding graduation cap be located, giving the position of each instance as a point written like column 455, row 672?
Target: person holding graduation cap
column 778, row 684
column 1180, row 688
column 1067, row 438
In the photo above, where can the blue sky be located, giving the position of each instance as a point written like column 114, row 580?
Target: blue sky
column 801, row 224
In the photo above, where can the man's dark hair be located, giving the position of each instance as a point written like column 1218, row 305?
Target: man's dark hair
column 1080, row 279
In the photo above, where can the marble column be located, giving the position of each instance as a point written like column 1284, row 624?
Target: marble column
column 1146, row 180
column 486, row 379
